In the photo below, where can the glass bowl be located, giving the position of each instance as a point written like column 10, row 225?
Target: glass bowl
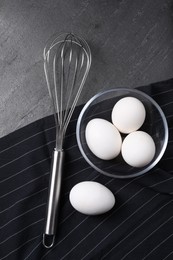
column 100, row 106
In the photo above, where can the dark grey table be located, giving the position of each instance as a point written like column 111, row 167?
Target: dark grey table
column 131, row 43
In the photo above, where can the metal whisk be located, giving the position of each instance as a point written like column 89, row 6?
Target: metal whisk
column 67, row 61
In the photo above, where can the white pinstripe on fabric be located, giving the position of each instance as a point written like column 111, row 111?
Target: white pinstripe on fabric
column 163, row 206
column 71, row 213
column 69, row 177
column 162, row 92
column 147, row 237
column 14, row 204
column 171, row 253
column 23, row 155
column 13, row 251
column 164, row 105
column 32, row 251
column 14, row 175
column 30, row 151
column 138, row 209
column 156, row 247
column 31, row 136
column 169, row 116
column 137, row 178
column 19, row 157
column 47, row 158
column 11, row 220
column 30, row 225
column 153, row 185
column 26, row 139
column 21, row 186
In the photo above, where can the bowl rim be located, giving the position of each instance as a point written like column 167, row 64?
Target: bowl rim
column 166, row 134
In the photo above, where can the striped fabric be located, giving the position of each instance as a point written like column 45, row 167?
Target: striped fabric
column 140, row 226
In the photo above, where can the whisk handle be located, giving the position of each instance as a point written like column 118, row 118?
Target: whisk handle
column 53, row 198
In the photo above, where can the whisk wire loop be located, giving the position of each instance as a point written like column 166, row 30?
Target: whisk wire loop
column 68, row 59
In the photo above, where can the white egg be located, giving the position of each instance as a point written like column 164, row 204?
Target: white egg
column 91, row 198
column 128, row 114
column 103, row 139
column 138, row 149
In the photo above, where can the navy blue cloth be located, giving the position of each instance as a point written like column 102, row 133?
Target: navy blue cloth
column 140, row 226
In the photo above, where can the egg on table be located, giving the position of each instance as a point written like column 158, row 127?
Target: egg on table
column 138, row 149
column 91, row 198
column 128, row 114
column 103, row 139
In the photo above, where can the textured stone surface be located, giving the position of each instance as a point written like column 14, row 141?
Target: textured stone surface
column 131, row 44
